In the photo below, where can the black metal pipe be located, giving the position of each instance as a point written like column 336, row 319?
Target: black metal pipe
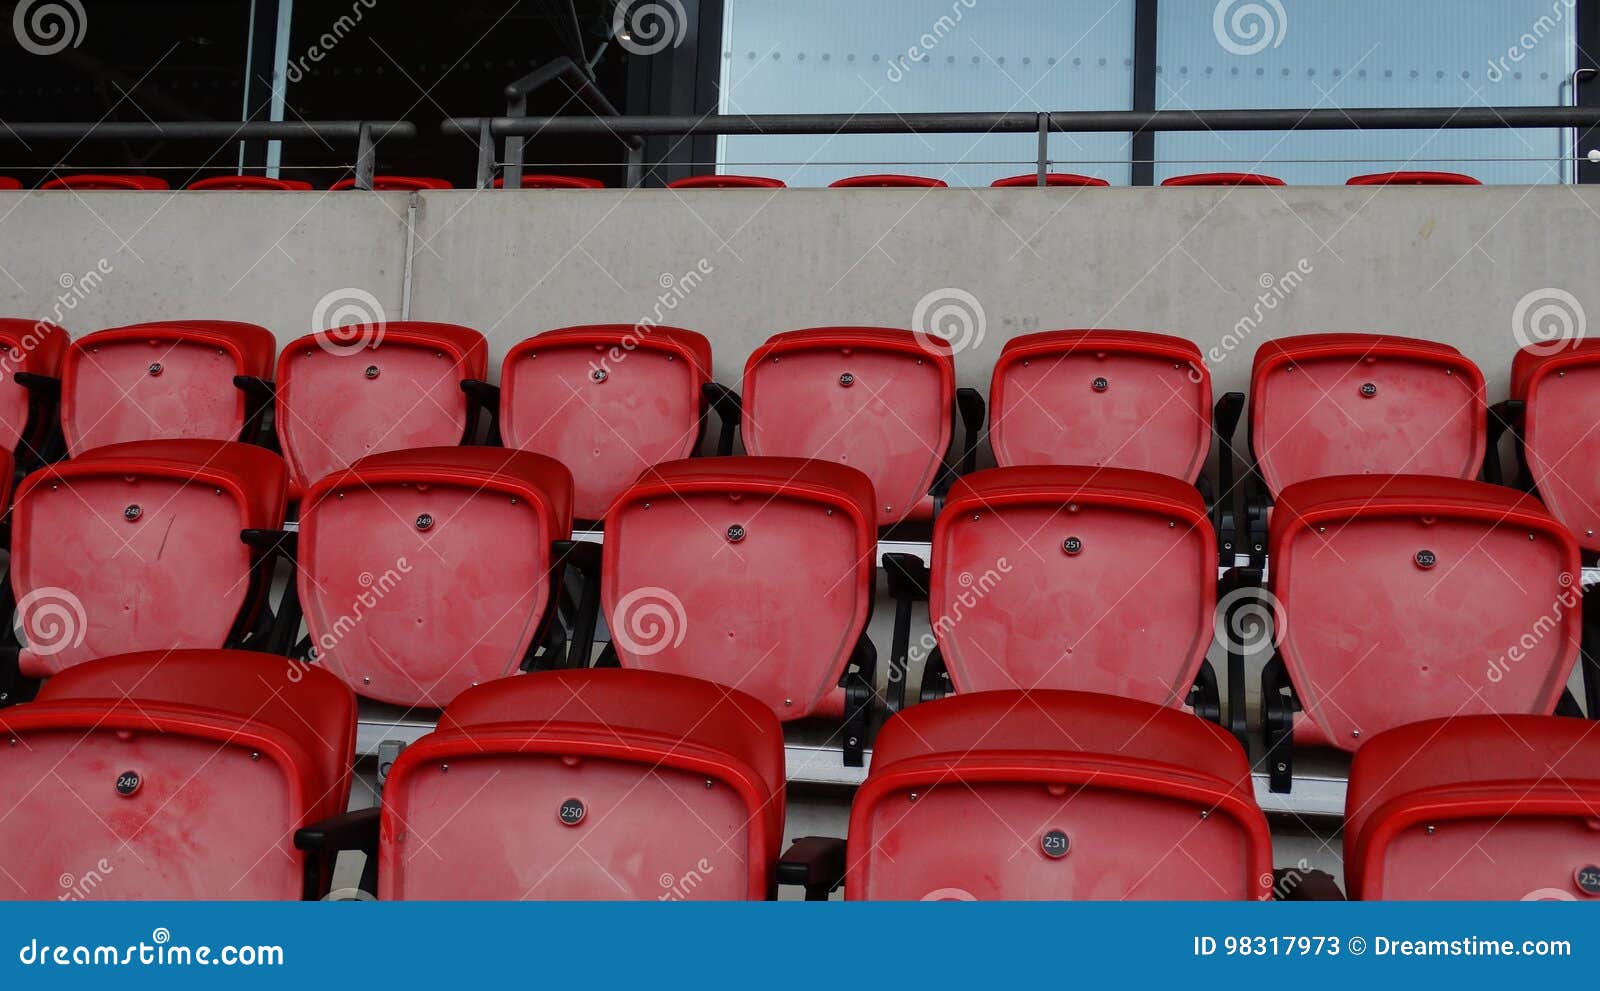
column 204, row 130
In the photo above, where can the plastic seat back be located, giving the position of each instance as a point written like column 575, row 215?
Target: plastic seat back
column 1074, row 578
column 34, row 347
column 1107, row 398
column 171, row 775
column 593, row 784
column 1404, row 598
column 137, row 547
column 249, row 183
column 359, row 390
column 171, row 380
column 1561, row 387
column 425, row 572
column 1414, row 179
column 1352, row 404
column 553, row 182
column 607, row 401
column 87, row 181
column 396, row 183
column 1050, row 179
column 888, row 181
column 755, row 573
column 1475, row 808
column 726, row 182
column 874, row 399
column 1223, row 179
column 1051, row 795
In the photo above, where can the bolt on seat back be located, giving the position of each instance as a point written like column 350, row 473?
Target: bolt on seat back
column 172, row 380
column 877, row 400
column 754, row 573
column 172, row 775
column 1475, row 808
column 1561, row 389
column 425, row 572
column 1402, row 598
column 607, row 401
column 351, row 391
column 1107, row 398
column 1353, row 404
column 28, row 416
column 1052, row 795
column 595, row 784
column 137, row 547
column 1098, row 580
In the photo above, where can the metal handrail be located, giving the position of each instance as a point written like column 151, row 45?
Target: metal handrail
column 583, row 87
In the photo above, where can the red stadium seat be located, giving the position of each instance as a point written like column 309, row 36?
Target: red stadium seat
column 396, row 183
column 1477, row 808
column 553, row 182
column 1351, row 404
column 592, row 784
column 1223, row 179
column 755, row 573
column 8, row 183
column 888, row 182
column 877, row 400
column 182, row 774
column 1049, row 795
column 1091, row 579
column 1408, row 597
column 352, row 391
column 726, row 182
column 406, row 618
column 1414, row 179
column 96, row 182
column 1050, row 179
column 138, row 547
column 240, row 183
column 1557, row 390
column 607, row 401
column 171, row 380
column 30, row 388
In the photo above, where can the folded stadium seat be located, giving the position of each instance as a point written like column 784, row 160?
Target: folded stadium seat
column 169, row 380
column 607, row 401
column 143, row 546
column 1409, row 597
column 726, row 182
column 1475, row 808
column 393, row 183
column 756, row 573
column 586, row 785
column 1223, row 179
column 249, row 182
column 6, row 182
column 182, row 774
column 87, row 181
column 1050, row 179
column 1051, row 795
column 1554, row 404
column 425, row 572
column 1092, row 579
column 30, row 389
column 888, row 182
column 875, row 399
column 553, row 182
column 352, row 391
column 1414, row 179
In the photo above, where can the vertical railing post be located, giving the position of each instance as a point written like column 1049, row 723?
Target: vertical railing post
column 366, row 157
column 1044, row 147
column 486, row 156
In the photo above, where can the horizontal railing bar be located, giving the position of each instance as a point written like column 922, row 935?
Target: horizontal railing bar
column 204, row 130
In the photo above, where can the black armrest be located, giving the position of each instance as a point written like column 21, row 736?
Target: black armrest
column 485, row 400
column 1225, row 510
column 259, row 397
column 584, row 556
column 1291, row 884
column 973, row 410
column 350, row 831
column 815, row 863
column 908, row 584
column 730, row 410
column 1504, row 418
column 46, row 385
column 273, row 545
